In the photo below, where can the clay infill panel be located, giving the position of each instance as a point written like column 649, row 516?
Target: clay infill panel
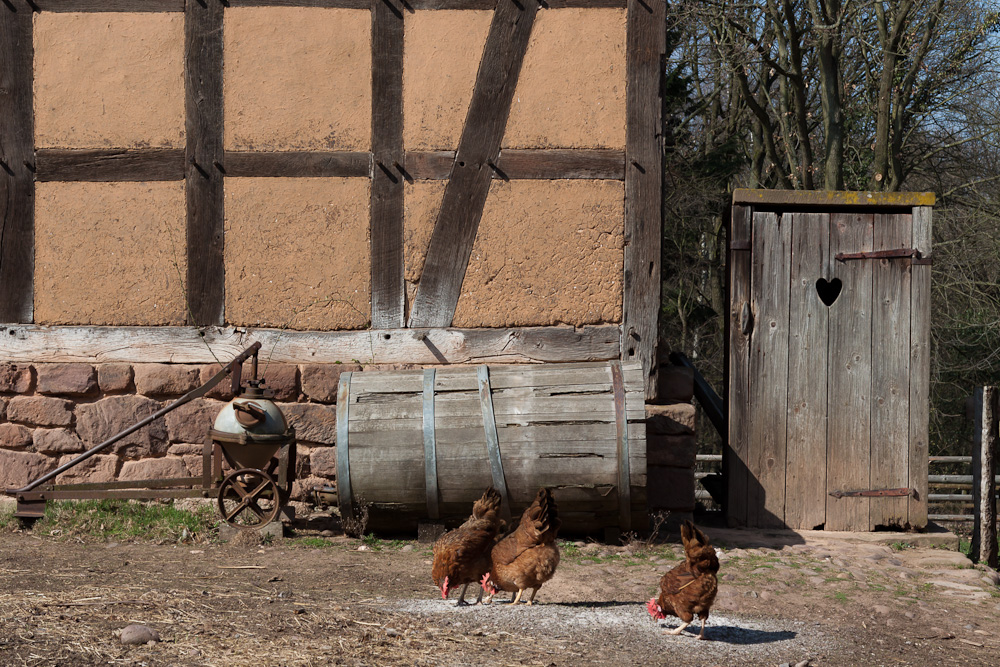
column 109, row 80
column 297, row 253
column 297, row 78
column 110, row 253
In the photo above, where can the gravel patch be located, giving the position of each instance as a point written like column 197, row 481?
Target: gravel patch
column 734, row 639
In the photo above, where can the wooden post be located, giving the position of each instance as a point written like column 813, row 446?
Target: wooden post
column 984, row 438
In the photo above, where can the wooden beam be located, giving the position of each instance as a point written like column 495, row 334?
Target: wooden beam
column 466, row 191
column 189, row 345
column 829, row 199
column 490, row 4
column 645, row 47
column 388, row 287
column 332, row 4
column 298, row 164
column 17, row 161
column 515, row 164
column 984, row 466
column 109, row 5
column 206, row 276
column 149, row 164
column 920, row 368
column 735, row 453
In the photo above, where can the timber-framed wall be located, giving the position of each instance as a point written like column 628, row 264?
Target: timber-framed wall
column 205, row 162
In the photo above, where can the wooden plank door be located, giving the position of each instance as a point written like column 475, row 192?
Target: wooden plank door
column 808, row 339
column 890, row 370
column 849, row 401
column 768, row 386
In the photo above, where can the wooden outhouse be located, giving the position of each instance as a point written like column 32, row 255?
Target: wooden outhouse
column 828, row 361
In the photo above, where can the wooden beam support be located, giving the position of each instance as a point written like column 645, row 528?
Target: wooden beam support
column 520, row 163
column 298, row 164
column 206, row 276
column 148, row 164
column 17, row 162
column 645, row 47
column 984, row 467
column 109, row 5
column 330, row 4
column 188, row 345
column 388, row 288
column 920, row 368
column 478, row 149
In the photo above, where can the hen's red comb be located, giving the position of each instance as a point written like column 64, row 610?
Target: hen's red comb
column 444, row 589
column 654, row 609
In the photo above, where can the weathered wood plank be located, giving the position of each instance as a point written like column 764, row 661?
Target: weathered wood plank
column 827, row 199
column 805, row 474
column 108, row 5
column 514, row 164
column 568, row 378
column 206, row 278
column 149, row 164
column 490, row 4
column 596, row 408
column 645, row 45
column 920, row 340
column 850, row 359
column 467, row 188
column 769, row 369
column 984, row 467
column 17, row 160
column 388, row 288
column 188, row 345
column 890, row 371
column 298, row 164
column 735, row 454
column 332, row 4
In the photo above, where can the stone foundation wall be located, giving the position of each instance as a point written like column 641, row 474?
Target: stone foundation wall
column 671, row 445
column 50, row 413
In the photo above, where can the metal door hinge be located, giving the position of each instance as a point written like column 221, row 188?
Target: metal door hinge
column 875, row 493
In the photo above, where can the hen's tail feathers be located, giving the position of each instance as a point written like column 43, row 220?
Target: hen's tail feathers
column 490, row 502
column 543, row 515
column 692, row 538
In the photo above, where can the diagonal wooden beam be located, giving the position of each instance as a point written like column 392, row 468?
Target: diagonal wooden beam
column 466, row 191
column 17, row 161
column 388, row 288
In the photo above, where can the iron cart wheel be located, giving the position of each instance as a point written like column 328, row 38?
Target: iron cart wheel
column 249, row 498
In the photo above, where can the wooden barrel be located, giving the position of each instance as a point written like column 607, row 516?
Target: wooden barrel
column 421, row 445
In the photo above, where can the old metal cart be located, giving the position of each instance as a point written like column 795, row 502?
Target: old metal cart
column 250, row 434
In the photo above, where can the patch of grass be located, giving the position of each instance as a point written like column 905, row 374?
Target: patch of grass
column 310, row 542
column 568, row 549
column 900, row 546
column 127, row 521
column 841, row 596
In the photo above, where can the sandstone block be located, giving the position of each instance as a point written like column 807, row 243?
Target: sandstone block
column 166, row 467
column 98, row 468
column 671, row 450
column 16, row 378
column 191, row 421
column 3, row 408
column 672, row 419
column 185, row 449
column 40, row 410
column 675, row 384
column 66, row 379
column 96, row 422
column 56, row 441
column 14, row 436
column 312, row 422
column 19, row 468
column 323, row 462
column 302, row 489
column 194, row 465
column 113, row 378
column 165, row 379
column 281, row 379
column 670, row 488
column 320, row 381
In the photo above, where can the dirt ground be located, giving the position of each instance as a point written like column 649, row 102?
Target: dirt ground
column 317, row 598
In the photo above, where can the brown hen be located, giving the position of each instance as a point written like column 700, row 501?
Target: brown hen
column 527, row 557
column 462, row 556
column 689, row 588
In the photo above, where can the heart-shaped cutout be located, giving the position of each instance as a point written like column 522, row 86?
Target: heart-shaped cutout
column 828, row 291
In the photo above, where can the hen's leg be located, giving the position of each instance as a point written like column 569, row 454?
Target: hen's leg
column 679, row 629
column 461, row 596
column 517, row 596
column 704, row 622
column 531, row 600
column 480, row 598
